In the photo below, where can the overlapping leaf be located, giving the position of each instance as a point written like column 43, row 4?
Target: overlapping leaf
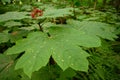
column 13, row 16
column 14, row 36
column 12, row 24
column 4, row 61
column 50, row 72
column 7, row 71
column 100, row 29
column 63, row 45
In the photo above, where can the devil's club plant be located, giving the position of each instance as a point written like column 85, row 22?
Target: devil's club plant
column 63, row 42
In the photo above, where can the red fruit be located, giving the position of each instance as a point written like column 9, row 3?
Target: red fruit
column 32, row 15
column 39, row 11
column 36, row 12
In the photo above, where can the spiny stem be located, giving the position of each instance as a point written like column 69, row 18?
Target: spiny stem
column 41, row 29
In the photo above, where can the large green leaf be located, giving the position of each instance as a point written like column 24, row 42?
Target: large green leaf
column 13, row 16
column 100, row 29
column 63, row 44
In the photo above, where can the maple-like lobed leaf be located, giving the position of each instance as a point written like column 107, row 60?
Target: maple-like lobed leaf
column 63, row 44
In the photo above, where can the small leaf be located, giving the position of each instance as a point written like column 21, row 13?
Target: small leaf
column 68, row 74
column 7, row 68
column 4, row 61
column 13, row 37
column 4, row 1
column 12, row 24
column 49, row 72
column 4, row 37
column 16, row 35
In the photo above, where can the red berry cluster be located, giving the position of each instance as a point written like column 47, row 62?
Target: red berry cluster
column 36, row 12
